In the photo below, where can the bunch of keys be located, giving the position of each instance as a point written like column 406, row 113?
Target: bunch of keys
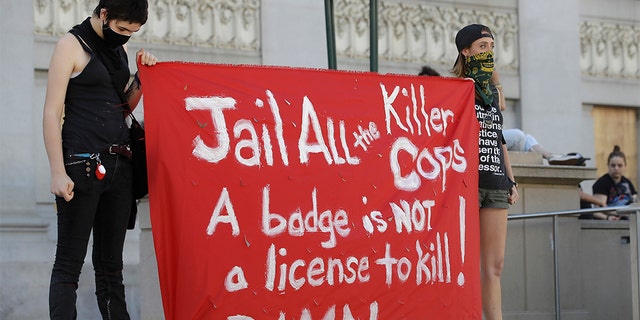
column 100, row 169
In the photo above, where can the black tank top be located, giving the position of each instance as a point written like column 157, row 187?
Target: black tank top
column 94, row 112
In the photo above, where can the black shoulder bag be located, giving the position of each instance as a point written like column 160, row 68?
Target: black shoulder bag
column 137, row 145
column 138, row 149
column 139, row 159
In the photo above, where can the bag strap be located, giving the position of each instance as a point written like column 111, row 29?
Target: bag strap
column 120, row 93
column 83, row 43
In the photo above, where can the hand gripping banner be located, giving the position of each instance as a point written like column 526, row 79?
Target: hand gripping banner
column 284, row 193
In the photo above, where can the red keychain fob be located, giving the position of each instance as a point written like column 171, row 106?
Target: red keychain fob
column 100, row 171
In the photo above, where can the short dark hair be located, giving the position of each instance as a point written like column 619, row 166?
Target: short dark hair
column 428, row 71
column 125, row 10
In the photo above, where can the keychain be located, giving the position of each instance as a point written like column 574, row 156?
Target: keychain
column 100, row 169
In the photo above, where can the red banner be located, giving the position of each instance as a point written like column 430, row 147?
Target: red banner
column 282, row 193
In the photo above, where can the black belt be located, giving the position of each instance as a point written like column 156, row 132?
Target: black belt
column 122, row 150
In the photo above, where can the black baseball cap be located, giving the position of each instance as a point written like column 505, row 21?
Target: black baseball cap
column 467, row 35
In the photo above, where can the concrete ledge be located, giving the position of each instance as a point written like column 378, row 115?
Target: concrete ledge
column 23, row 224
column 25, row 291
column 603, row 224
column 530, row 167
column 566, row 315
column 552, row 175
column 528, row 158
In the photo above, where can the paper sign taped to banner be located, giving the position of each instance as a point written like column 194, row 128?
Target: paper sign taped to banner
column 284, row 193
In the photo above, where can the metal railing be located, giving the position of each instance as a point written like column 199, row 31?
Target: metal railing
column 634, row 226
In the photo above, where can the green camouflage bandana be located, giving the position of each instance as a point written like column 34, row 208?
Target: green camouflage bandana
column 480, row 69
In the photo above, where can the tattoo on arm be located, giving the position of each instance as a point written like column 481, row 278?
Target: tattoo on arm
column 135, row 85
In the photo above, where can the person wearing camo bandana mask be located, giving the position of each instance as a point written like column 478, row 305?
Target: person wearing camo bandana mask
column 479, row 67
column 496, row 184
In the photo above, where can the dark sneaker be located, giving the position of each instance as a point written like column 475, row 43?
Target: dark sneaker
column 565, row 159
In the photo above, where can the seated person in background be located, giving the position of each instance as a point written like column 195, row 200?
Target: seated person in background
column 588, row 201
column 428, row 71
column 614, row 188
column 517, row 140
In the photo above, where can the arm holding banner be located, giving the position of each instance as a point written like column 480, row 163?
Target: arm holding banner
column 134, row 90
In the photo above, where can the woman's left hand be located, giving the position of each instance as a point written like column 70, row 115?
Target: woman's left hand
column 513, row 195
column 146, row 58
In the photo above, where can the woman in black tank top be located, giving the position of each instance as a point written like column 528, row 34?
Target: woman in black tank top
column 88, row 86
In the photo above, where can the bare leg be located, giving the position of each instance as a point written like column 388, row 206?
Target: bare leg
column 493, row 234
column 539, row 149
column 515, row 138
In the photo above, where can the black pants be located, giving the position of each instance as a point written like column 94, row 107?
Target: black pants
column 102, row 206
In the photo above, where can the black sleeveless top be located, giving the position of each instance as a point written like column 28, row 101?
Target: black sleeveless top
column 94, row 111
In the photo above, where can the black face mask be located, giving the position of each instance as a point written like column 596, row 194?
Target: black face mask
column 112, row 38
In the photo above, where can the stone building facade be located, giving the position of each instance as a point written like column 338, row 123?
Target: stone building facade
column 570, row 70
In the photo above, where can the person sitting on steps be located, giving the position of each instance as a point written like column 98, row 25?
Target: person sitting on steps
column 516, row 139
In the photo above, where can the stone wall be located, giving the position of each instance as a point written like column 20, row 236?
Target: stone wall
column 593, row 47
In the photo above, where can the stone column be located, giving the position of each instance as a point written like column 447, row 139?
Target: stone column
column 528, row 279
column 17, row 177
column 550, row 71
column 24, row 261
column 150, row 297
column 284, row 43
